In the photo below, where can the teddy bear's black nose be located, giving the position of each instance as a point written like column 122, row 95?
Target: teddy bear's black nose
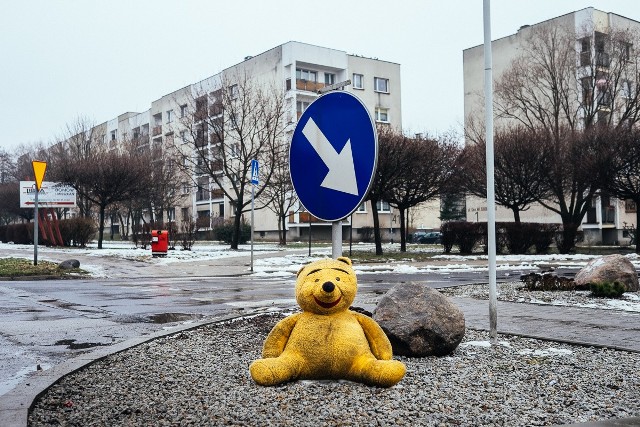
column 328, row 287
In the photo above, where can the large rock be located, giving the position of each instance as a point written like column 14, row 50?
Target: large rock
column 610, row 268
column 420, row 321
column 69, row 264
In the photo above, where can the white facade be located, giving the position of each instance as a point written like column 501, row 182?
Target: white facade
column 605, row 220
column 300, row 70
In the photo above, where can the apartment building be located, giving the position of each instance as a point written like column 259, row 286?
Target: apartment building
column 299, row 71
column 596, row 34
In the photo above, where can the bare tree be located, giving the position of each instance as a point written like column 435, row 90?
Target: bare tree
column 428, row 165
column 279, row 197
column 239, row 121
column 392, row 159
column 519, row 161
column 7, row 167
column 103, row 177
column 624, row 181
column 545, row 91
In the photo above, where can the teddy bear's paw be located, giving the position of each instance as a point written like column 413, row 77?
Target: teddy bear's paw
column 384, row 373
column 270, row 372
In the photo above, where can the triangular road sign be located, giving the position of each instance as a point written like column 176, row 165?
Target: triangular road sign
column 39, row 169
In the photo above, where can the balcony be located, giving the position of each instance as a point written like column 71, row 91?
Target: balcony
column 608, row 215
column 307, row 217
column 201, row 195
column 215, row 109
column 217, row 193
column 308, row 85
column 157, row 130
column 602, row 59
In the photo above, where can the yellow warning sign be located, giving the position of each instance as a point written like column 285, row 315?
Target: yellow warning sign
column 39, row 169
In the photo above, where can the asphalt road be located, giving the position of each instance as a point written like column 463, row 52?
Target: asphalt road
column 46, row 322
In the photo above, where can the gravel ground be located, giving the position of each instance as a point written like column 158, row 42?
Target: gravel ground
column 201, row 378
column 517, row 292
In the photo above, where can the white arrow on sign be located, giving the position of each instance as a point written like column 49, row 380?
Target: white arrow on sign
column 342, row 173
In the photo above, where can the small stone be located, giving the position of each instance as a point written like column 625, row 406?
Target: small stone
column 69, row 264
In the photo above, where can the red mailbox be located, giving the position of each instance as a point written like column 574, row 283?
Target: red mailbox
column 159, row 242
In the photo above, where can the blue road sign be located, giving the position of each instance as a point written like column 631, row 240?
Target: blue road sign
column 333, row 155
column 254, row 172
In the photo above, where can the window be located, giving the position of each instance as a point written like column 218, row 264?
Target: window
column 234, row 150
column 310, row 76
column 383, row 206
column 185, row 213
column 233, row 91
column 183, row 110
column 171, row 214
column 382, row 115
column 301, row 106
column 157, row 119
column 626, row 51
column 362, row 208
column 183, row 135
column 114, row 135
column 381, row 85
column 626, row 89
column 630, row 206
column 329, row 78
column 358, row 81
column 169, row 116
column 186, row 188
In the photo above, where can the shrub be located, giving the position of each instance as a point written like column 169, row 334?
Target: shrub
column 3, row 234
column 519, row 237
column 77, row 231
column 187, row 235
column 547, row 282
column 224, row 232
column 544, row 236
column 465, row 235
column 366, row 234
column 19, row 234
column 607, row 289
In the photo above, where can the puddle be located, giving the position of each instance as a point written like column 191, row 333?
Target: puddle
column 172, row 317
column 73, row 345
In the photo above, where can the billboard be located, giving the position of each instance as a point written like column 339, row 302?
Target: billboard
column 51, row 195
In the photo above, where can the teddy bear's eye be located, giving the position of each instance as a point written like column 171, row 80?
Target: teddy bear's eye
column 337, row 279
column 317, row 280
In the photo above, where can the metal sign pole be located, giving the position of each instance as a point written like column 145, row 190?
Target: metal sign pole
column 491, row 203
column 336, row 239
column 252, row 194
column 35, row 230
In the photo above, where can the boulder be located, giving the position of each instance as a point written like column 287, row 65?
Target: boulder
column 69, row 264
column 610, row 268
column 420, row 321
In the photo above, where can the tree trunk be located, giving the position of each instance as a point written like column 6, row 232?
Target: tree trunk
column 569, row 233
column 403, row 234
column 516, row 215
column 101, row 226
column 376, row 227
column 637, row 225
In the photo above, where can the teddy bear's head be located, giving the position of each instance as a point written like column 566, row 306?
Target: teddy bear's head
column 326, row 286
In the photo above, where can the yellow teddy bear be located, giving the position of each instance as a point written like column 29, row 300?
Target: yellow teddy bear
column 327, row 340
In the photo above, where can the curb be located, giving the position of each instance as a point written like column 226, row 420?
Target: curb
column 16, row 404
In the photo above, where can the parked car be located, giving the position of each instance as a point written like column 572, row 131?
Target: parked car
column 415, row 237
column 431, row 237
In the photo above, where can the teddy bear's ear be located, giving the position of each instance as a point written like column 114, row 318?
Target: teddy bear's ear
column 300, row 271
column 345, row 260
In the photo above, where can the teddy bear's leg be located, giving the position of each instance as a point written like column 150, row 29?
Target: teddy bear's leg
column 382, row 373
column 274, row 370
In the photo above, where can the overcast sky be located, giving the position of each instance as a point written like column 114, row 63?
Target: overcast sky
column 61, row 59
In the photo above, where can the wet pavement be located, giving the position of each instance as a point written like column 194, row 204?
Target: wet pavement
column 44, row 323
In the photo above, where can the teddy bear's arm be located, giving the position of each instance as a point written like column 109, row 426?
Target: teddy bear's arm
column 378, row 341
column 277, row 339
